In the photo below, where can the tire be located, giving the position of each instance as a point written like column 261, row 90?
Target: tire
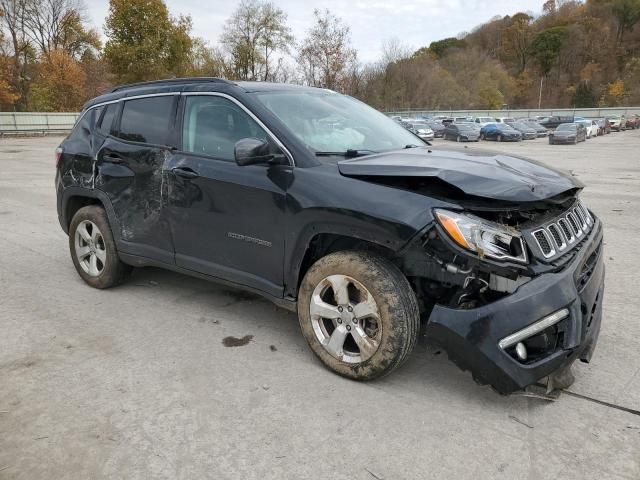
column 575, row 142
column 499, row 138
column 458, row 139
column 93, row 249
column 482, row 136
column 390, row 333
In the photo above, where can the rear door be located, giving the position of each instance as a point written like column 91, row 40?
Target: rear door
column 130, row 171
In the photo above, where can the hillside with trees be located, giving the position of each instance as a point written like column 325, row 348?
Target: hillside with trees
column 571, row 53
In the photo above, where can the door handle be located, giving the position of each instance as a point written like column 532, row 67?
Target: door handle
column 112, row 158
column 185, row 172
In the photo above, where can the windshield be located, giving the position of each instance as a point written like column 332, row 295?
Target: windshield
column 329, row 122
column 566, row 127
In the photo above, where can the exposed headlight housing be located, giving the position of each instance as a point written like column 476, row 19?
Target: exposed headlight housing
column 487, row 239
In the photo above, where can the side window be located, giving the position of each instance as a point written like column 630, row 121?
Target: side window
column 147, row 120
column 212, row 126
column 82, row 130
column 107, row 119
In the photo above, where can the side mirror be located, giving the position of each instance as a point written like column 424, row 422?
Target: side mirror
column 252, row 151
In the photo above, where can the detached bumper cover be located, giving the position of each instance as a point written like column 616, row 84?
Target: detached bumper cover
column 471, row 337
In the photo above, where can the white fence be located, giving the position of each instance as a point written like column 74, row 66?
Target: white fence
column 578, row 112
column 31, row 122
column 12, row 123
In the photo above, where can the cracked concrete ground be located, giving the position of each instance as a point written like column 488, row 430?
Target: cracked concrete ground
column 135, row 382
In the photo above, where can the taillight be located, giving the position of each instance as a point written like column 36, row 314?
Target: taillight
column 58, row 155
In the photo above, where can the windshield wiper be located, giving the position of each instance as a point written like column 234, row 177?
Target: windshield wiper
column 349, row 153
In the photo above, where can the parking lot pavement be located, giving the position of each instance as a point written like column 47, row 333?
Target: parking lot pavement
column 135, row 382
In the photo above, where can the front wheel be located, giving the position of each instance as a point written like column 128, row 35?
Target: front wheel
column 93, row 249
column 499, row 138
column 458, row 138
column 358, row 313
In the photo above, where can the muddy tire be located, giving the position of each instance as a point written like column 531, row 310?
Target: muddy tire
column 93, row 249
column 358, row 314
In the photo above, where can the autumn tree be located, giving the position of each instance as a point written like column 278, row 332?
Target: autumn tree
column 326, row 56
column 516, row 40
column 60, row 84
column 254, row 33
column 144, row 41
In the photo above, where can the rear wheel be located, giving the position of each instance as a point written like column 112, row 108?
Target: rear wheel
column 358, row 314
column 93, row 249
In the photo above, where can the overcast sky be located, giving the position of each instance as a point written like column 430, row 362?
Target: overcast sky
column 415, row 22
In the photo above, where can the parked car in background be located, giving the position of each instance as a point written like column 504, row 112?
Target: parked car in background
column 505, row 119
column 604, row 127
column 528, row 132
column 421, row 129
column 592, row 130
column 618, row 123
column 552, row 122
column 461, row 132
column 568, row 133
column 437, row 127
column 540, row 130
column 482, row 121
column 633, row 121
column 500, row 132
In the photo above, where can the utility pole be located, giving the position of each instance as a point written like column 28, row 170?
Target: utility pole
column 540, row 95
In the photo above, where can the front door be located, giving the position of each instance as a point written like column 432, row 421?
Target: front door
column 227, row 221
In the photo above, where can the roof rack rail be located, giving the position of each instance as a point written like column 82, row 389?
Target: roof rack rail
column 170, row 81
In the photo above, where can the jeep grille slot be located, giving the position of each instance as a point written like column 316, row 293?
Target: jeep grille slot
column 544, row 243
column 564, row 232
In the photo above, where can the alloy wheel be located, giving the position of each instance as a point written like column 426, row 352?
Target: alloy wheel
column 345, row 319
column 90, row 248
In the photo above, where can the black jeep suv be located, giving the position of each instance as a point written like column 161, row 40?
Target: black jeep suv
column 327, row 207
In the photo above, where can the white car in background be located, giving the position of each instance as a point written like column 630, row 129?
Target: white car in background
column 590, row 126
column 482, row 121
column 505, row 120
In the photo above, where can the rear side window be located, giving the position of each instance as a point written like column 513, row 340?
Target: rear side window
column 213, row 125
column 107, row 119
column 147, row 120
column 83, row 129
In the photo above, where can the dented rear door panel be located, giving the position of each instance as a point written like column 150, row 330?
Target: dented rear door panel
column 133, row 178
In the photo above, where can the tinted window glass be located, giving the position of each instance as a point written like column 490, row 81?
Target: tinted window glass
column 147, row 119
column 107, row 119
column 84, row 127
column 213, row 125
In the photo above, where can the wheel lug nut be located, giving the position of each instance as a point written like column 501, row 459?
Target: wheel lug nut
column 348, row 327
column 340, row 309
column 339, row 320
column 350, row 308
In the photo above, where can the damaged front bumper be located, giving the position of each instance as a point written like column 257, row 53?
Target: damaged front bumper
column 472, row 337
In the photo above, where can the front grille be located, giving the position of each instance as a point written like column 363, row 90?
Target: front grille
column 561, row 234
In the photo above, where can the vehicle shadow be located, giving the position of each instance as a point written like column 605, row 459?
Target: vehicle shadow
column 428, row 371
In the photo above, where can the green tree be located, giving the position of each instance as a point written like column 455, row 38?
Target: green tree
column 440, row 47
column 145, row 42
column 546, row 46
column 583, row 96
column 627, row 13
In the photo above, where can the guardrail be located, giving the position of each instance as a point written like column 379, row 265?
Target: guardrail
column 15, row 123
column 579, row 112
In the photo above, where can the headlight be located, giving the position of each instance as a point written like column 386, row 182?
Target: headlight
column 482, row 236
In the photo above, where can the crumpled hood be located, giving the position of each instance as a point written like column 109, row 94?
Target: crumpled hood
column 482, row 174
